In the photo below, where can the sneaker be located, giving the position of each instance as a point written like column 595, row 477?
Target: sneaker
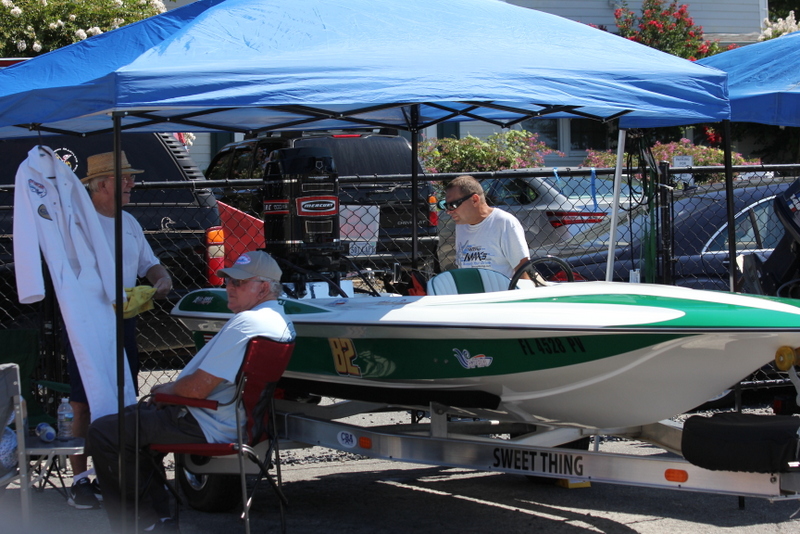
column 81, row 495
column 96, row 490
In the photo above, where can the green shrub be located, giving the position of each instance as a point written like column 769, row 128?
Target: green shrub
column 512, row 149
column 29, row 28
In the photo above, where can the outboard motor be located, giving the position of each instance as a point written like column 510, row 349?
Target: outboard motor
column 301, row 213
column 778, row 275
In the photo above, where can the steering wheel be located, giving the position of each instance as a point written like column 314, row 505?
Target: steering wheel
column 529, row 267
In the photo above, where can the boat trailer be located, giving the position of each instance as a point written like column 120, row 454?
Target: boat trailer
column 514, row 448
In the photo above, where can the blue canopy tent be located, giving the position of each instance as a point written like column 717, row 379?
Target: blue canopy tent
column 763, row 80
column 259, row 65
column 763, row 87
column 253, row 65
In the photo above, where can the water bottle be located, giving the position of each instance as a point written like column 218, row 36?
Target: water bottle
column 65, row 416
column 45, row 432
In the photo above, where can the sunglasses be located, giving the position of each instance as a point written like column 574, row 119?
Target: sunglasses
column 453, row 204
column 236, row 282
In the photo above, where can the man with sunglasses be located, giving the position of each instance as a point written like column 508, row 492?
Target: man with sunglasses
column 253, row 287
column 486, row 237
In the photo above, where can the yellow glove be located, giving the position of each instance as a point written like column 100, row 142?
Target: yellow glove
column 140, row 299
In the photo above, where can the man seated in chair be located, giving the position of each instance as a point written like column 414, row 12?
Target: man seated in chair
column 253, row 287
column 486, row 237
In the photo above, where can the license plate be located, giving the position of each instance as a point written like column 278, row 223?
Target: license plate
column 362, row 248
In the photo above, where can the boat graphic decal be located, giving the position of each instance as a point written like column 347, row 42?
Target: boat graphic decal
column 344, row 352
column 472, row 362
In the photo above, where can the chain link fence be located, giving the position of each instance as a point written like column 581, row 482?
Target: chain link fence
column 670, row 231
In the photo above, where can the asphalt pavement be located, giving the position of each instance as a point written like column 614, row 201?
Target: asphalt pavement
column 330, row 492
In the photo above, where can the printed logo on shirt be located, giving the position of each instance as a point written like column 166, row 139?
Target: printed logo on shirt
column 42, row 211
column 474, row 256
column 244, row 259
column 37, row 188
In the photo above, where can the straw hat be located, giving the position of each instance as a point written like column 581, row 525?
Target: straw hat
column 103, row 165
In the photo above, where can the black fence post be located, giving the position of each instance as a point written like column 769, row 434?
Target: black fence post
column 666, row 275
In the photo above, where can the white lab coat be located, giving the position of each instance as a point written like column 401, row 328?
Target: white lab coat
column 53, row 212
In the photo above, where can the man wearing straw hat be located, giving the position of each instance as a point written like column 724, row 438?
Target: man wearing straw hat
column 137, row 260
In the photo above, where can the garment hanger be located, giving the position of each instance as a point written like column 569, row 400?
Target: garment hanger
column 48, row 168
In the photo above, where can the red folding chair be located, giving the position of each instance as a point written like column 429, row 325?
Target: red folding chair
column 264, row 363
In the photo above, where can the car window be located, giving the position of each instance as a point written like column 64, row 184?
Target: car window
column 757, row 228
column 770, row 227
column 260, row 164
column 219, row 168
column 508, row 192
column 242, row 159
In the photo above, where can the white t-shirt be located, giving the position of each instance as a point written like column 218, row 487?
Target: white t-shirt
column 497, row 243
column 137, row 256
column 222, row 357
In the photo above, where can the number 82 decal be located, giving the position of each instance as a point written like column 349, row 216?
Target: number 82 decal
column 344, row 352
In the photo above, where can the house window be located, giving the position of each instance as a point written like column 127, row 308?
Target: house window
column 587, row 134
column 546, row 129
column 573, row 136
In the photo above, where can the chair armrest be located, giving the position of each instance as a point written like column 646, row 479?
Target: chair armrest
column 163, row 398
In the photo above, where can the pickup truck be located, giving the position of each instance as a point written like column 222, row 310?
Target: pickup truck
column 382, row 206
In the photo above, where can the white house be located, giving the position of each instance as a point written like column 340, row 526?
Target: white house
column 728, row 21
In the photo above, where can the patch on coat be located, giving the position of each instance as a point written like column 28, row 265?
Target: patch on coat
column 42, row 211
column 37, row 188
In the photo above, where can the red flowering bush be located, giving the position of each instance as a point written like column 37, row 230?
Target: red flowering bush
column 665, row 27
column 702, row 156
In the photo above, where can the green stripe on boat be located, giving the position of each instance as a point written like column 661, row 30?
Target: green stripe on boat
column 431, row 359
column 697, row 314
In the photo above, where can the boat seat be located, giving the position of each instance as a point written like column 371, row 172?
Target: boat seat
column 466, row 281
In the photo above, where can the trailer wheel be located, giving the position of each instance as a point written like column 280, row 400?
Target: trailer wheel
column 579, row 444
column 208, row 493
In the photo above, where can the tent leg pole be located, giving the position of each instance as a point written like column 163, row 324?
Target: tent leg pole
column 612, row 235
column 726, row 136
column 414, row 186
column 117, row 121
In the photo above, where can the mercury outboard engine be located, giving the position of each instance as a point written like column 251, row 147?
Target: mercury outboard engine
column 301, row 214
column 778, row 275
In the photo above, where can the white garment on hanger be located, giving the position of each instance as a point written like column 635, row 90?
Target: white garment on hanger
column 53, row 212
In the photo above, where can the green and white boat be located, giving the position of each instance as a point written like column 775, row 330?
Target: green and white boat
column 592, row 354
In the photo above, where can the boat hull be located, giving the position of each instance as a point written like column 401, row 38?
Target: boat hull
column 596, row 354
